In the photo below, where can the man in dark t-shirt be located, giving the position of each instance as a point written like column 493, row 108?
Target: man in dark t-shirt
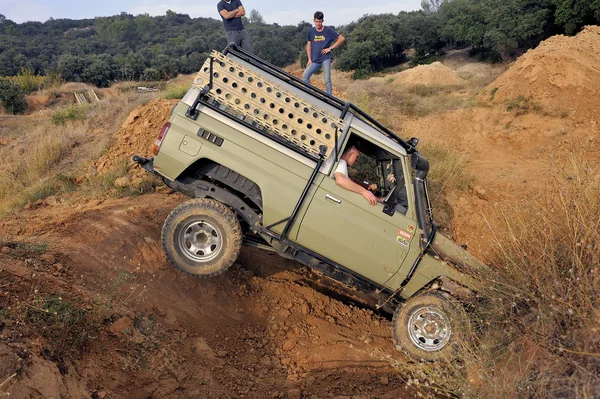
column 320, row 40
column 232, row 12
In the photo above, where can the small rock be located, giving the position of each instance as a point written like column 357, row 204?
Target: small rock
column 80, row 179
column 48, row 258
column 163, row 190
column 283, row 314
column 159, row 310
column 122, row 326
column 6, row 250
column 480, row 192
column 222, row 354
column 294, row 394
column 289, row 345
column 39, row 202
column 50, row 201
column 58, row 267
column 305, row 308
column 384, row 380
column 122, row 182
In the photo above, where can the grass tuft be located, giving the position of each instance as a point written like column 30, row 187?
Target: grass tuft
column 176, row 92
column 70, row 113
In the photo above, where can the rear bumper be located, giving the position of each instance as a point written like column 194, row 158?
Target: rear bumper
column 146, row 163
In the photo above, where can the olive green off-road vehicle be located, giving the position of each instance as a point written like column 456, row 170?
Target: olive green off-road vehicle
column 256, row 150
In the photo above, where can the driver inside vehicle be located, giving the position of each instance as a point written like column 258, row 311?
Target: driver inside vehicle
column 342, row 178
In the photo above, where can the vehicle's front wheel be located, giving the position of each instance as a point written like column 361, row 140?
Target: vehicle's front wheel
column 429, row 326
column 202, row 237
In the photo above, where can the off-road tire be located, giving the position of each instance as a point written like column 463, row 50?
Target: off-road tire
column 444, row 318
column 202, row 237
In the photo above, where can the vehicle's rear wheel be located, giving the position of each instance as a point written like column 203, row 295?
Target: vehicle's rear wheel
column 429, row 326
column 202, row 237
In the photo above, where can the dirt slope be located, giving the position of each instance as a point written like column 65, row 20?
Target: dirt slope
column 261, row 330
column 137, row 134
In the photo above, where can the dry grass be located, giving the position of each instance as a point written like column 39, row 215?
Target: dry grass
column 387, row 103
column 536, row 332
column 449, row 174
column 44, row 158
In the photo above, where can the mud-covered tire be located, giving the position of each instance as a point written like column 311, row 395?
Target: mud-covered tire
column 429, row 327
column 202, row 237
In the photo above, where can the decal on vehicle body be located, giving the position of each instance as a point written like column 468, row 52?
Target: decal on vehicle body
column 402, row 241
column 405, row 234
column 411, row 228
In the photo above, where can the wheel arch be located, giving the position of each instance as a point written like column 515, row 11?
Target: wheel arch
column 205, row 169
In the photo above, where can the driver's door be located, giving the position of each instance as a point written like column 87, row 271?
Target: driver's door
column 343, row 227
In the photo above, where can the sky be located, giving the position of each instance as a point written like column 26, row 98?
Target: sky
column 336, row 12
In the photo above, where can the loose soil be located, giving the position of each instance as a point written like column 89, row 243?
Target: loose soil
column 263, row 329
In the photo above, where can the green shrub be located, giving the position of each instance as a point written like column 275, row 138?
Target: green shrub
column 12, row 97
column 150, row 74
column 28, row 81
column 176, row 92
column 72, row 113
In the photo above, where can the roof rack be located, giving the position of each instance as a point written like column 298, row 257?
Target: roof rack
column 268, row 106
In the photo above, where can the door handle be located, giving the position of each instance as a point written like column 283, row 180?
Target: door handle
column 332, row 198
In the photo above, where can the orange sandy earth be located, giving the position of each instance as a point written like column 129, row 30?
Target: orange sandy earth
column 264, row 329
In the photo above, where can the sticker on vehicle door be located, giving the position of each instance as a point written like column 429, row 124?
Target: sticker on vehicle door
column 405, row 234
column 402, row 241
column 411, row 228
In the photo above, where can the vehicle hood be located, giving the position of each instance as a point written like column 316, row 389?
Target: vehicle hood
column 448, row 251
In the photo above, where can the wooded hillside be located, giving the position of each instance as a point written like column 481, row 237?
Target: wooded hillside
column 127, row 47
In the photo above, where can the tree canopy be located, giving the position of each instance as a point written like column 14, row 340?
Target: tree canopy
column 127, row 47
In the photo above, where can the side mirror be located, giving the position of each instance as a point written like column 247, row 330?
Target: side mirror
column 389, row 203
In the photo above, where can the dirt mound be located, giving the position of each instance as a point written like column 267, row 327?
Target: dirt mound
column 137, row 134
column 561, row 75
column 436, row 74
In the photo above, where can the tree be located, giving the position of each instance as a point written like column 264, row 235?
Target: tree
column 572, row 15
column 515, row 24
column 100, row 71
column 463, row 22
column 256, row 18
column 150, row 74
column 12, row 97
column 71, row 67
column 431, row 6
column 375, row 42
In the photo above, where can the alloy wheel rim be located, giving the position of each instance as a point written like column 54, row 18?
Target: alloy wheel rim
column 429, row 329
column 200, row 240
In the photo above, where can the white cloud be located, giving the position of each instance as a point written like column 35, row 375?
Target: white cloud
column 25, row 11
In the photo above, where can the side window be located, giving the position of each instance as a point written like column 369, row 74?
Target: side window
column 377, row 170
